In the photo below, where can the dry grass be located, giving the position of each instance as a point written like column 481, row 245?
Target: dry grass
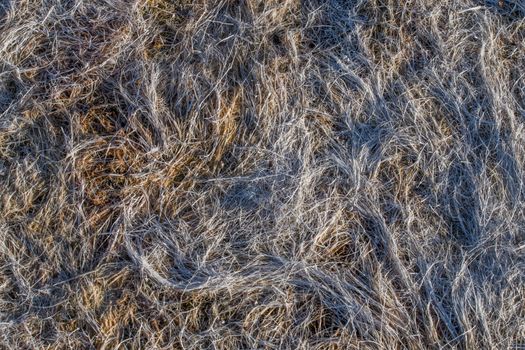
column 249, row 174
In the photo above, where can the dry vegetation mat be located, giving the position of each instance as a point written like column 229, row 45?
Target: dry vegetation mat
column 262, row 174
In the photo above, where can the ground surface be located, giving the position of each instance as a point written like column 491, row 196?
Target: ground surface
column 249, row 174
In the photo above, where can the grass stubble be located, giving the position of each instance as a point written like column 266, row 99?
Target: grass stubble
column 248, row 174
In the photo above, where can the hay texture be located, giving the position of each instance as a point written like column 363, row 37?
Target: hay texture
column 262, row 174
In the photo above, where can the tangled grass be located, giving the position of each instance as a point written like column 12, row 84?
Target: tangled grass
column 262, row 174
